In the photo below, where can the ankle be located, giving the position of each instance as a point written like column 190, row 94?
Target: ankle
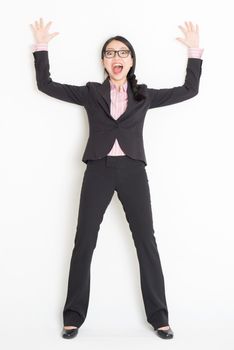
column 69, row 327
column 164, row 328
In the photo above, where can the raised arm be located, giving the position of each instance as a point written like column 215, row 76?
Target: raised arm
column 69, row 93
column 190, row 88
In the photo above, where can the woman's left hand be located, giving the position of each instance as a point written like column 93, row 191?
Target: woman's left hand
column 191, row 33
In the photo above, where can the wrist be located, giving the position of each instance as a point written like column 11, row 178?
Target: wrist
column 41, row 43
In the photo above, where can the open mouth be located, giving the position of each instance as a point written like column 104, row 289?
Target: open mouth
column 117, row 68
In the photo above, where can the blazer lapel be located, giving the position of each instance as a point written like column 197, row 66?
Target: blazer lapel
column 106, row 101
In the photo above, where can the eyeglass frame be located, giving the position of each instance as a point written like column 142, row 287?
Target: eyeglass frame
column 128, row 51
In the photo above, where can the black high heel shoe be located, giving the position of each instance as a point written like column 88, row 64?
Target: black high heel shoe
column 69, row 333
column 165, row 333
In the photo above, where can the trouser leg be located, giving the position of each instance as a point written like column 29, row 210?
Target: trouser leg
column 134, row 193
column 96, row 193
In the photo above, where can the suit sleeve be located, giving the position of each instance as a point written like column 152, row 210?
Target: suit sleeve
column 69, row 93
column 190, row 88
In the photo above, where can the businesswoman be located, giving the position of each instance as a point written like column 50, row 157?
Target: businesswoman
column 115, row 161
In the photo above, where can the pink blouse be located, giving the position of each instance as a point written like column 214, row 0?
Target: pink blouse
column 119, row 99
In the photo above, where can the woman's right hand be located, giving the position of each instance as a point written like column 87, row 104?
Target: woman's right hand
column 41, row 32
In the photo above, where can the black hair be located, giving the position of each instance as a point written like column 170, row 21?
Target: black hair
column 136, row 88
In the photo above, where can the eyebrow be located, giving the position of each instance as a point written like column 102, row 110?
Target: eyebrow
column 111, row 48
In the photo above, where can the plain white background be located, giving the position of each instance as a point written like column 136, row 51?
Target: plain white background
column 189, row 149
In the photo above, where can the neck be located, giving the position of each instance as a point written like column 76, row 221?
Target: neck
column 118, row 83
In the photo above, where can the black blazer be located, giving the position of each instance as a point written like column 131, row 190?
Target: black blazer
column 95, row 97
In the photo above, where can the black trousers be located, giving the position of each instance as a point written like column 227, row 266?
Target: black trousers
column 129, row 179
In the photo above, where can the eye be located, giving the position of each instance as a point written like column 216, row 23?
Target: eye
column 109, row 53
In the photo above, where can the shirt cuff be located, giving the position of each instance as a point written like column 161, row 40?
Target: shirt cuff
column 195, row 52
column 40, row 47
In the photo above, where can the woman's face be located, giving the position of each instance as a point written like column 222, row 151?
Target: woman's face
column 115, row 73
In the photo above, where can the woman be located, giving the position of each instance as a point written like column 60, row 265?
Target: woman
column 116, row 161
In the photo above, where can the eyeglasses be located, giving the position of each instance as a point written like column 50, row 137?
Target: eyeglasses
column 112, row 53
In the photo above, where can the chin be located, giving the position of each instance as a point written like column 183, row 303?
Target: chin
column 119, row 77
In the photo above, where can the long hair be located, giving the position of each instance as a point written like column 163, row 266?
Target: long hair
column 131, row 75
